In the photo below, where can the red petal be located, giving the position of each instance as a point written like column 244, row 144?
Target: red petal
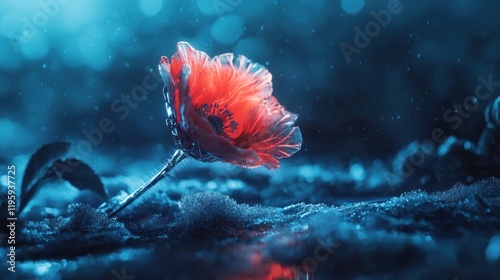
column 168, row 80
column 265, row 132
column 165, row 70
column 243, row 85
column 269, row 131
column 200, row 131
column 235, row 81
column 187, row 55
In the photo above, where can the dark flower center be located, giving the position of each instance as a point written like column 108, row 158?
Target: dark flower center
column 216, row 123
column 220, row 118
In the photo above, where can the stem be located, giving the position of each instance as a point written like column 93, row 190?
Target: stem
column 112, row 207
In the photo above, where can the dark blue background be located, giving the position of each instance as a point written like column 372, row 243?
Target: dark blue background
column 77, row 57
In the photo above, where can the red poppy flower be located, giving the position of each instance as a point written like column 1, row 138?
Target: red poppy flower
column 222, row 109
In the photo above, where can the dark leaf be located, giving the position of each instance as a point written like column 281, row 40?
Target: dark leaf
column 80, row 175
column 39, row 162
column 48, row 177
column 72, row 170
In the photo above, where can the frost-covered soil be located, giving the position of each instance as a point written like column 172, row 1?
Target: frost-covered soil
column 302, row 221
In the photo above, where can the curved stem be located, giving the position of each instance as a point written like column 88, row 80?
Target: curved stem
column 112, row 207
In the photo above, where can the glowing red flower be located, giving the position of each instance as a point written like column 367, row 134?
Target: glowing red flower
column 222, row 109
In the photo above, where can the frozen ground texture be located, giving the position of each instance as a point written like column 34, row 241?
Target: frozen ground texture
column 182, row 231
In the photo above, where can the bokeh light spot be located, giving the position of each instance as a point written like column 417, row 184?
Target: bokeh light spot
column 151, row 7
column 352, row 6
column 93, row 45
column 493, row 250
column 206, row 7
column 228, row 29
column 35, row 48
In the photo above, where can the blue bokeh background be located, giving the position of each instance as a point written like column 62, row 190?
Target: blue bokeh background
column 368, row 78
column 64, row 62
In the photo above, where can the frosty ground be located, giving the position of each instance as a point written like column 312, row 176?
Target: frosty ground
column 216, row 221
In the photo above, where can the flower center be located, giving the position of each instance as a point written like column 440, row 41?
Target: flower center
column 216, row 123
column 220, row 118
